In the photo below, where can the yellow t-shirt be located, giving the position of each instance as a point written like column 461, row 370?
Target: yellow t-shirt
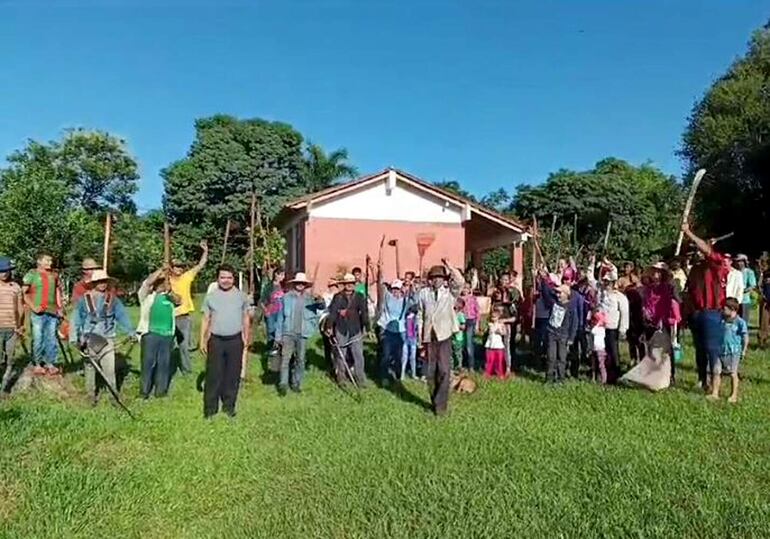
column 181, row 286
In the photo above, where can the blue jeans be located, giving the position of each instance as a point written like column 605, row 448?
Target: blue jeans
column 707, row 335
column 392, row 352
column 470, row 345
column 409, row 355
column 271, row 324
column 44, row 338
column 292, row 345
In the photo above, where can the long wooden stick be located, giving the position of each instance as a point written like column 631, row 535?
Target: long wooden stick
column 227, row 237
column 722, row 237
column 398, row 262
column 251, row 241
column 553, row 226
column 575, row 232
column 607, row 236
column 688, row 206
column 167, row 247
column 107, row 234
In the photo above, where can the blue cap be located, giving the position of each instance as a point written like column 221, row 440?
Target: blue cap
column 5, row 263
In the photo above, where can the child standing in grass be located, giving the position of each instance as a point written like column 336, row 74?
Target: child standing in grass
column 458, row 341
column 734, row 345
column 598, row 345
column 495, row 345
column 410, row 343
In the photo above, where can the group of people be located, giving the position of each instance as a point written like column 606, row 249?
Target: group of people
column 575, row 317
column 578, row 319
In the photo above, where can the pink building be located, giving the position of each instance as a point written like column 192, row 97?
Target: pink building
column 332, row 231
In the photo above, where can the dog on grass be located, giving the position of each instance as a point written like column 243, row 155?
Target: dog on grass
column 462, row 383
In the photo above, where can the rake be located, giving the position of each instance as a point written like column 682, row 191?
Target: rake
column 424, row 241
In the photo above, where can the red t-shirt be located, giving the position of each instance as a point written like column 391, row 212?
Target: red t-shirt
column 707, row 283
column 80, row 288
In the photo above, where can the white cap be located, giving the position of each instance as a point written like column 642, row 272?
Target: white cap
column 397, row 283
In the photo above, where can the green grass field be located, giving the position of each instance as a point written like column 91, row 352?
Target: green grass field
column 513, row 459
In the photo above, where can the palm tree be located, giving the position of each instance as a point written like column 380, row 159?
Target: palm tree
column 325, row 170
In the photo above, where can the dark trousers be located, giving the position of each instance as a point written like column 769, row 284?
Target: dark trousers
column 392, row 351
column 156, row 364
column 707, row 336
column 512, row 345
column 541, row 337
column 557, row 360
column 437, row 367
column 223, row 374
column 635, row 347
column 354, row 349
column 612, row 343
column 579, row 352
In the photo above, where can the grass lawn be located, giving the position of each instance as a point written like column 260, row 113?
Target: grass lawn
column 513, row 459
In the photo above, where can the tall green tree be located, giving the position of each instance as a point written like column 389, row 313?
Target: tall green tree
column 324, row 170
column 642, row 203
column 53, row 196
column 729, row 135
column 228, row 161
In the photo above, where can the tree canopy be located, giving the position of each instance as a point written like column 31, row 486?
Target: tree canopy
column 642, row 203
column 228, row 161
column 54, row 196
column 729, row 135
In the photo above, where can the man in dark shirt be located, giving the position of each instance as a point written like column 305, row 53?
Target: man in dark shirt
column 348, row 320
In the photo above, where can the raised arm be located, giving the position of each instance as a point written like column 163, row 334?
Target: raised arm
column 204, row 257
column 145, row 288
column 702, row 245
column 456, row 278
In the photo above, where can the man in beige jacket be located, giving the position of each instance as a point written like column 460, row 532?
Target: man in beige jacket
column 438, row 322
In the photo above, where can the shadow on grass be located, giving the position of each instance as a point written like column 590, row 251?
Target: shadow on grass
column 404, row 394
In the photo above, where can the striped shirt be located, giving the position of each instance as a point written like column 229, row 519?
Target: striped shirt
column 9, row 298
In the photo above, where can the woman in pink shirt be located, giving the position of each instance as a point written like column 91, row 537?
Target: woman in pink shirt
column 660, row 304
column 471, row 312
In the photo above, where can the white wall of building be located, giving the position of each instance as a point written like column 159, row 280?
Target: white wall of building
column 402, row 203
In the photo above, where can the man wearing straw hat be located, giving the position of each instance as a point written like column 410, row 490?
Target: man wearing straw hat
column 347, row 322
column 87, row 269
column 97, row 317
column 297, row 321
column 438, row 323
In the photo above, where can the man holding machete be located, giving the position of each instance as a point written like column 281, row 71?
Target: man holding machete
column 706, row 292
column 97, row 316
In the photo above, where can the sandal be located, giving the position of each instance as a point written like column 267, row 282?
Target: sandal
column 53, row 371
column 38, row 370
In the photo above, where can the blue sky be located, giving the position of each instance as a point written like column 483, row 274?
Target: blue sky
column 491, row 94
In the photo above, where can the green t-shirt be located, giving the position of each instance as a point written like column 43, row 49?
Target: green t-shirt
column 361, row 288
column 459, row 337
column 42, row 290
column 162, row 316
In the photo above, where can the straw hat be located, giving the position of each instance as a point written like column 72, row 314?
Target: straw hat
column 348, row 278
column 300, row 277
column 89, row 264
column 437, row 271
column 100, row 275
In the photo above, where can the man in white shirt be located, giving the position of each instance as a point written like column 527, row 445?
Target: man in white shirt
column 735, row 281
